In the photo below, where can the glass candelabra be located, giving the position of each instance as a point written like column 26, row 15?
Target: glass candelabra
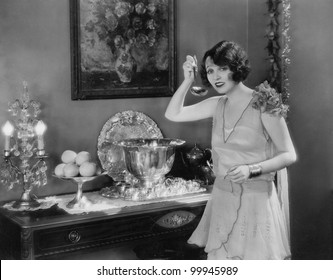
column 24, row 154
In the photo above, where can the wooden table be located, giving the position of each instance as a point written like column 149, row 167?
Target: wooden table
column 52, row 233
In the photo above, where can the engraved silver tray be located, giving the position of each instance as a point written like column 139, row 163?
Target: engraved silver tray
column 123, row 125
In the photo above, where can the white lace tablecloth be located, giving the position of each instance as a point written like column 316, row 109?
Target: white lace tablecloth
column 90, row 202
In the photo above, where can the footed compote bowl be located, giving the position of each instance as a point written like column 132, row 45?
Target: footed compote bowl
column 77, row 201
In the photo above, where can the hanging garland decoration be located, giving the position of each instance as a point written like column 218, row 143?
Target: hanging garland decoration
column 285, row 59
column 279, row 56
column 273, row 46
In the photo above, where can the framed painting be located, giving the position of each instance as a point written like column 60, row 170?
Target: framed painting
column 122, row 48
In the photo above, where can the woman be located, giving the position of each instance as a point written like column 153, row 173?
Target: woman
column 250, row 143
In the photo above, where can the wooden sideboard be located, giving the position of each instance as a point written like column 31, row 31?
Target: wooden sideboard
column 53, row 233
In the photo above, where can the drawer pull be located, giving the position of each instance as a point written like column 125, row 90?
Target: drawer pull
column 176, row 219
column 74, row 236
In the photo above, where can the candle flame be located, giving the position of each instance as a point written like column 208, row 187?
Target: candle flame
column 40, row 128
column 8, row 129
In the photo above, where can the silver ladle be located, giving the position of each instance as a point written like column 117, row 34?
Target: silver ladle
column 196, row 90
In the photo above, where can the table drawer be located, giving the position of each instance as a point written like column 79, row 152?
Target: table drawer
column 88, row 235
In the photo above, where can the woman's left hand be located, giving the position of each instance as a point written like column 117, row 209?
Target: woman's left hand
column 238, row 174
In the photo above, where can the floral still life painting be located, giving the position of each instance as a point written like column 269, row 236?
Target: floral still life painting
column 122, row 48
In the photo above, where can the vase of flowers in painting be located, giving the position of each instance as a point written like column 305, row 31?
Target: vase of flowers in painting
column 125, row 65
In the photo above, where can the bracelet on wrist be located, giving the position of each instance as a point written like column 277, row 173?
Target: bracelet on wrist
column 255, row 170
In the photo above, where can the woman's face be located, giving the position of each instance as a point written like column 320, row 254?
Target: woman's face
column 220, row 77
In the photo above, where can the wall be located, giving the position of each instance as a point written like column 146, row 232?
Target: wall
column 35, row 46
column 311, row 125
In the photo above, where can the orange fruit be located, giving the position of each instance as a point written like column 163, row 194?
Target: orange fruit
column 59, row 170
column 68, row 156
column 71, row 170
column 82, row 157
column 88, row 169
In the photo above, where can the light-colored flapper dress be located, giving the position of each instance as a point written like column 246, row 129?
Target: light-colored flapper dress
column 242, row 221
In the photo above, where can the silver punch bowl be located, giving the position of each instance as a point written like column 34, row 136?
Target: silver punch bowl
column 149, row 159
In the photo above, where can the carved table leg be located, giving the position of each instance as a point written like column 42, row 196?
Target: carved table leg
column 26, row 246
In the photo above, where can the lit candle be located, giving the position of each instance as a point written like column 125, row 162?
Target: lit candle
column 40, row 129
column 8, row 130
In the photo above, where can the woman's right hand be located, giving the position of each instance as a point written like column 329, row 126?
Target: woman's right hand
column 189, row 67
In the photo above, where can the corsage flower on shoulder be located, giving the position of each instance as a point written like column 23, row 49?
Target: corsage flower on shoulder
column 268, row 100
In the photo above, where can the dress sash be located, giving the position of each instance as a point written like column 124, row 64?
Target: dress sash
column 283, row 195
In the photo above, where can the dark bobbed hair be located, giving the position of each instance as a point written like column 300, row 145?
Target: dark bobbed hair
column 227, row 53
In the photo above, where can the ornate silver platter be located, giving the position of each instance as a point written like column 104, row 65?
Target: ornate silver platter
column 123, row 125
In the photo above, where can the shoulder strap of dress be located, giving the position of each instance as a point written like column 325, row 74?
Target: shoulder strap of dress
column 219, row 107
column 263, row 127
column 218, row 115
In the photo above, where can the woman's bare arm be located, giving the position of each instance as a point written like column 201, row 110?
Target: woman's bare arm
column 285, row 155
column 277, row 129
column 176, row 111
